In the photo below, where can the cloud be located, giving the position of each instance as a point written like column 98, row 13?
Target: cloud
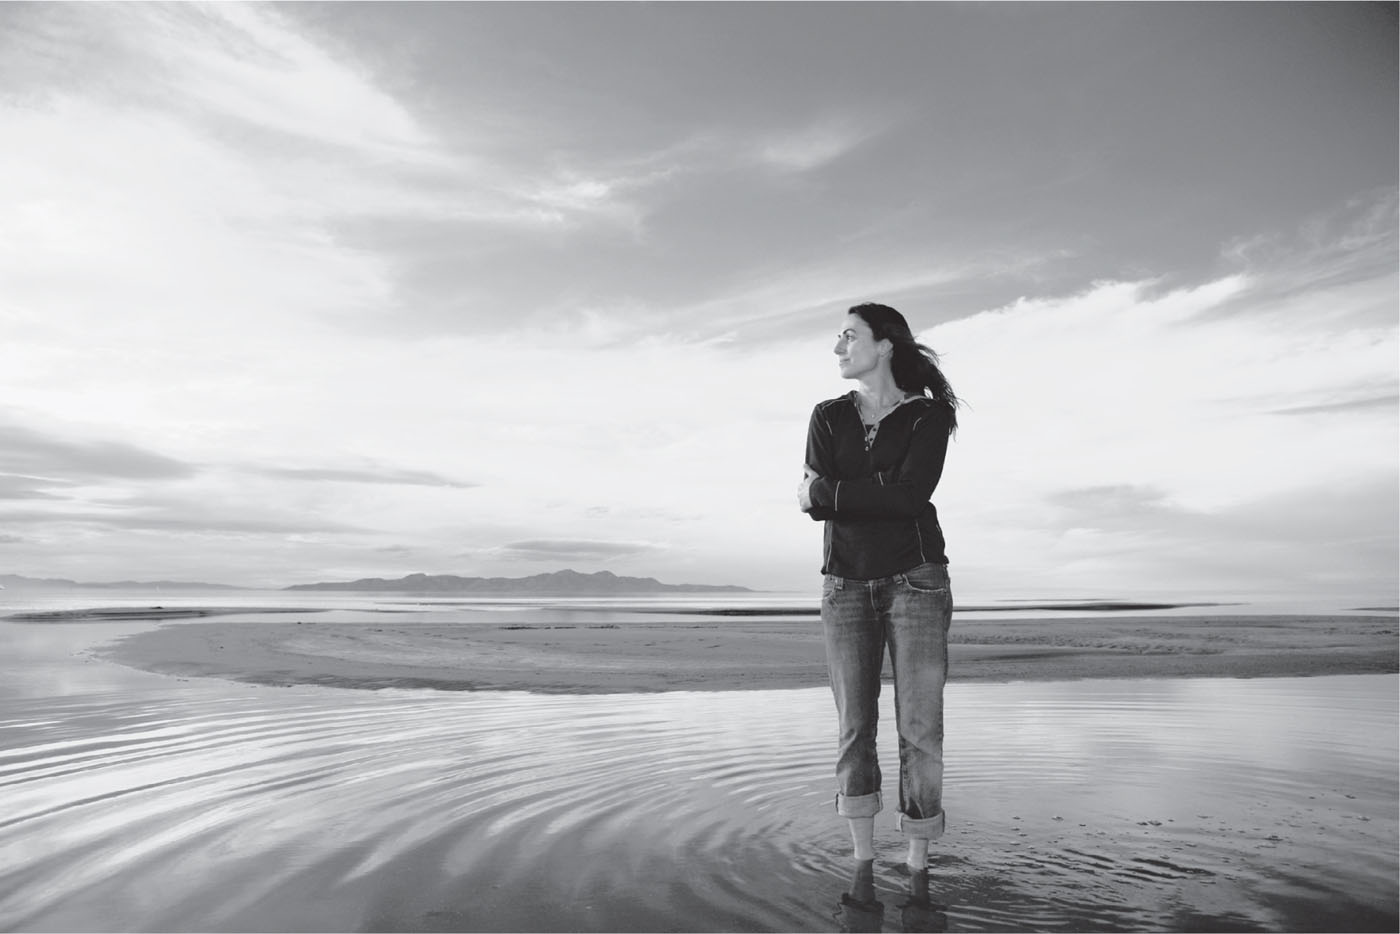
column 593, row 192
column 1359, row 511
column 276, row 273
column 1347, row 253
column 1355, row 405
column 773, row 306
column 1116, row 506
column 1353, row 236
column 189, row 517
column 19, row 487
column 391, row 476
column 214, row 61
column 26, row 451
column 815, row 145
column 572, row 549
column 1307, row 542
column 1128, row 425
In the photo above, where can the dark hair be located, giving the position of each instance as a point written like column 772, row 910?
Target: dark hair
column 915, row 366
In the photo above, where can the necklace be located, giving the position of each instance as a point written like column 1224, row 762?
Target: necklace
column 872, row 422
column 878, row 413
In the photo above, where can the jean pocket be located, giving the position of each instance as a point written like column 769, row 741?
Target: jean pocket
column 830, row 584
column 927, row 578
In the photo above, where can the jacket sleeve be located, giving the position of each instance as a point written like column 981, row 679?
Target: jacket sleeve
column 821, row 458
column 901, row 493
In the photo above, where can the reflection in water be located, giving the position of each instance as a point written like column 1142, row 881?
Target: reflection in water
column 859, row 909
column 917, row 913
column 137, row 802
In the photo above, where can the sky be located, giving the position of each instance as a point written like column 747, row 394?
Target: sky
column 295, row 293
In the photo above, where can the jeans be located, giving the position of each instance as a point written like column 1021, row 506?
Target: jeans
column 909, row 612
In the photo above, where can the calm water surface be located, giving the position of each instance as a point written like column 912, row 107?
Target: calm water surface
column 134, row 801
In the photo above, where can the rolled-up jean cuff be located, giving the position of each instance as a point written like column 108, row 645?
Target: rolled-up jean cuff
column 858, row 805
column 927, row 828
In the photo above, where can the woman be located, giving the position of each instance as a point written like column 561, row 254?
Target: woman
column 874, row 457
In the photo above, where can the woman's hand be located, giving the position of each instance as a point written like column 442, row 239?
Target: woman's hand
column 804, row 489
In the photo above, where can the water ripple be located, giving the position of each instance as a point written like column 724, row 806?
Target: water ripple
column 1086, row 806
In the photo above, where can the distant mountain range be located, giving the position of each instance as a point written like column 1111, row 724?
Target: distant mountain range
column 19, row 582
column 556, row 582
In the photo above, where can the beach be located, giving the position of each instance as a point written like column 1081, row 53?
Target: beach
column 725, row 654
column 176, row 762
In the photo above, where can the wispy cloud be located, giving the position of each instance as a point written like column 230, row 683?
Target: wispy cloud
column 817, row 144
column 1348, row 251
column 242, row 62
column 391, row 476
column 28, row 451
column 783, row 304
column 572, row 549
column 185, row 517
column 1354, row 405
column 595, row 192
column 1112, row 506
column 19, row 487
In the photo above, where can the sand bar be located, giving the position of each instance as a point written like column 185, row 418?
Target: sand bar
column 735, row 654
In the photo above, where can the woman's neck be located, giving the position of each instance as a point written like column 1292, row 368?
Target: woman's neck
column 879, row 390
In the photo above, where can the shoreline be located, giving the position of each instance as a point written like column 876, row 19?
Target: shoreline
column 125, row 614
column 725, row 654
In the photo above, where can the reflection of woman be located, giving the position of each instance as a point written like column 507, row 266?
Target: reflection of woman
column 874, row 457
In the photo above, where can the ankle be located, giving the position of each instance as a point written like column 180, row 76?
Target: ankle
column 862, row 837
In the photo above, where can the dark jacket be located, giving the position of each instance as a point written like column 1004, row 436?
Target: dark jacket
column 879, row 521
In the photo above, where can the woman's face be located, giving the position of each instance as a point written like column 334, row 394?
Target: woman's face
column 857, row 351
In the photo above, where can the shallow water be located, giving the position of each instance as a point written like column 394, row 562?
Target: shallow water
column 134, row 801
column 348, row 606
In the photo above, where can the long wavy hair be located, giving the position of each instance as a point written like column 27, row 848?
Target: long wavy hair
column 914, row 365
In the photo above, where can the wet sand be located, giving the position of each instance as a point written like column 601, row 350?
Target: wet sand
column 727, row 654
